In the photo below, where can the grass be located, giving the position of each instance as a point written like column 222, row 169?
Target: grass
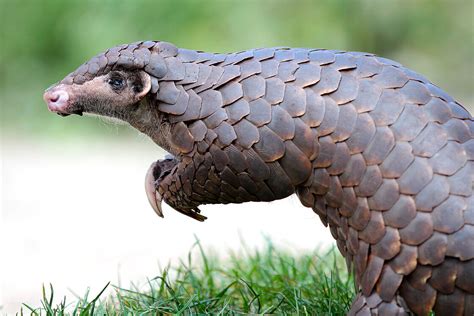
column 267, row 281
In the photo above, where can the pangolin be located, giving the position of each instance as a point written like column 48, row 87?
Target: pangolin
column 382, row 155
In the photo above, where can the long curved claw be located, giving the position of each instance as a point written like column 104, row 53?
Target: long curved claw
column 151, row 193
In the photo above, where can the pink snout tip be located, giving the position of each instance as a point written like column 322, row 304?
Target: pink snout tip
column 56, row 99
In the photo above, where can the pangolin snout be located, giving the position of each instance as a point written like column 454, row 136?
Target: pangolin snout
column 57, row 99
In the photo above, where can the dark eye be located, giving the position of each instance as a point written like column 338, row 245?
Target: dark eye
column 116, row 83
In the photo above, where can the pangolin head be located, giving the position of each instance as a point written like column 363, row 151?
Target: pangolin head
column 112, row 83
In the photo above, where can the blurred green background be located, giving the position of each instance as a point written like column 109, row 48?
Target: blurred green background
column 42, row 41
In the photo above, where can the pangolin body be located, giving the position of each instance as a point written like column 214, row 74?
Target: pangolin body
column 382, row 155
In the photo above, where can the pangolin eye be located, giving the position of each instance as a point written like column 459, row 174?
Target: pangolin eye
column 116, row 83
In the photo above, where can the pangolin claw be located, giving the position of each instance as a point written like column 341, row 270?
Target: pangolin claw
column 154, row 197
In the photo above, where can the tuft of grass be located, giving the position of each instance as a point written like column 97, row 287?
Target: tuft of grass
column 268, row 281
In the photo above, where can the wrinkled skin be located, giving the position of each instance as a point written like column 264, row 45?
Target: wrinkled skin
column 382, row 155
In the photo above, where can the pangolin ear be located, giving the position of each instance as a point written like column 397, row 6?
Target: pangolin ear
column 146, row 83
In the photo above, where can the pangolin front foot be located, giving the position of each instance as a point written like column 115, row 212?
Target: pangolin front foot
column 156, row 173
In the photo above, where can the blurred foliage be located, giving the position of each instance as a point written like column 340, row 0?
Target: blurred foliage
column 42, row 41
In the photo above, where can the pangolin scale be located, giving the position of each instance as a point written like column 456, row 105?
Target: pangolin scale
column 383, row 156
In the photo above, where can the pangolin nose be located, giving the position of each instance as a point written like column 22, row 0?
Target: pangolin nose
column 57, row 100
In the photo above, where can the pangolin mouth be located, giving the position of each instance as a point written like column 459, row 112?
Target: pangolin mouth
column 77, row 112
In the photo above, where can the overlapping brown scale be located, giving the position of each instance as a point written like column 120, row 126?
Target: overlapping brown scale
column 361, row 216
column 282, row 123
column 344, row 61
column 270, row 147
column 238, row 57
column 458, row 130
column 231, row 92
column 269, row 68
column 438, row 110
column 406, row 261
column 444, row 276
column 386, row 196
column 420, row 302
column 286, row 71
column 465, row 276
column 425, row 145
column 370, row 183
column 368, row 95
column 457, row 182
column 432, row 251
column 415, row 92
column 237, row 110
column 182, row 138
column 345, row 123
column 175, row 69
column 187, row 55
column 354, row 171
column 274, row 90
column 307, row 75
column 327, row 149
column 450, row 304
column 321, row 181
column 416, row 176
column 363, row 133
column 225, row 133
column 279, row 183
column 418, row 230
column 432, row 194
column 401, row 214
column 203, row 74
column 448, row 217
column 215, row 119
column 410, row 123
column 247, row 133
column 347, row 91
column 388, row 284
column 305, row 139
column 294, row 101
column 191, row 74
column 284, row 54
column 314, row 113
column 449, row 159
column 460, row 243
column 179, row 106
column 214, row 59
column 230, row 72
column 193, row 109
column 371, row 274
column 388, row 108
column 156, row 66
column 295, row 164
column 380, row 146
column 331, row 115
column 367, row 66
column 211, row 101
column 469, row 146
column 341, row 159
column 391, row 77
column 249, row 67
column 253, row 87
column 260, row 112
column 168, row 92
column 257, row 168
column 329, row 82
column 322, row 57
column 375, row 229
column 301, row 55
column 214, row 76
column 334, row 197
